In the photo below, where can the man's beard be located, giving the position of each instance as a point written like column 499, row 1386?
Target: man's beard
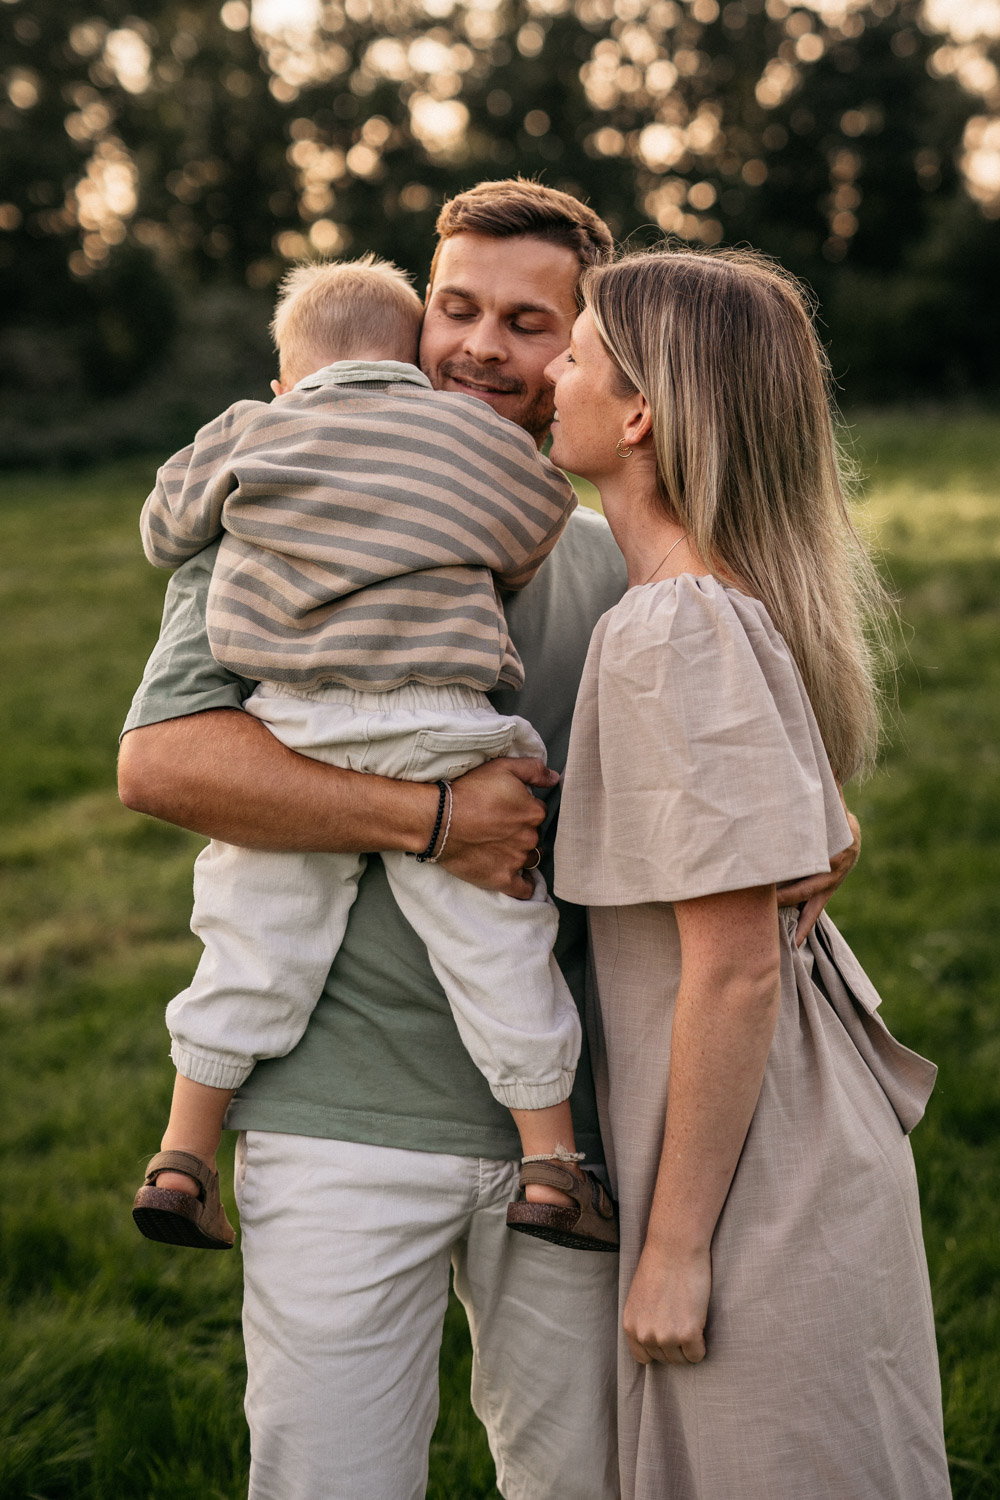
column 534, row 415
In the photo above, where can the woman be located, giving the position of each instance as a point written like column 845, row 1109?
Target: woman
column 778, row 1340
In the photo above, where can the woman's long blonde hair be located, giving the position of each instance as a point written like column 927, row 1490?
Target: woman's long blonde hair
column 721, row 344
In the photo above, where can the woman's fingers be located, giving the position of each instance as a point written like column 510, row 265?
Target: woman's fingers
column 654, row 1335
column 813, row 892
column 639, row 1352
column 684, row 1352
column 693, row 1349
column 666, row 1308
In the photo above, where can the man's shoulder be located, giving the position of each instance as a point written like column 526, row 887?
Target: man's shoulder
column 588, row 553
column 589, row 530
column 582, row 578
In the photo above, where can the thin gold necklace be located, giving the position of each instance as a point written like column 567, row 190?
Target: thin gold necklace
column 659, row 565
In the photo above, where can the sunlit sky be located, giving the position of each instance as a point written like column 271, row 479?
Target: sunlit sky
column 632, row 63
column 965, row 19
column 290, row 15
column 439, row 119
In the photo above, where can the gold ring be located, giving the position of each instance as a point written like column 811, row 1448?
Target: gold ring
column 538, row 859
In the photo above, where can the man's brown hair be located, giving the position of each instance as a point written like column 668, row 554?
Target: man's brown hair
column 517, row 206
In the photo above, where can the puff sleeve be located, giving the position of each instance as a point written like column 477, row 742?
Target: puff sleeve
column 696, row 765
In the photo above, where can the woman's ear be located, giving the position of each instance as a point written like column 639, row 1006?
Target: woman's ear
column 639, row 421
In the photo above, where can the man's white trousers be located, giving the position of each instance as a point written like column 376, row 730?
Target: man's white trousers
column 347, row 1250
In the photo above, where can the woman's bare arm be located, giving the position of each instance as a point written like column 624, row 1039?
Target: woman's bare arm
column 223, row 774
column 726, row 1011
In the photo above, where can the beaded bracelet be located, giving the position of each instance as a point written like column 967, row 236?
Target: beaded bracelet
column 442, row 799
column 447, row 827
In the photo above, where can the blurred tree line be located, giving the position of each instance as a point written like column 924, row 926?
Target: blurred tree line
column 162, row 162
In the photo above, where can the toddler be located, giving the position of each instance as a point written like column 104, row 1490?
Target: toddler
column 366, row 523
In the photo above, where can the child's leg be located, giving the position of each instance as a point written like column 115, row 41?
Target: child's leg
column 271, row 924
column 195, row 1125
column 512, row 1007
column 547, row 1132
column 179, row 1202
column 492, row 955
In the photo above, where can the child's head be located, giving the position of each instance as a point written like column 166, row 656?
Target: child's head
column 344, row 309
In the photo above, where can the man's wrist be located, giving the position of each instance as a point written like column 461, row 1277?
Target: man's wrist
column 413, row 814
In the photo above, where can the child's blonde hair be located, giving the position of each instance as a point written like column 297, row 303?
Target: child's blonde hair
column 344, row 309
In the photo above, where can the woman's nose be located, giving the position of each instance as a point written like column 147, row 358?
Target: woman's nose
column 553, row 369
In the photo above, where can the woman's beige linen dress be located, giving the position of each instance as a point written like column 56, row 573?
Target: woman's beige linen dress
column 696, row 767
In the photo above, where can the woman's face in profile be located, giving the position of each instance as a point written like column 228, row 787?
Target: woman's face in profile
column 590, row 413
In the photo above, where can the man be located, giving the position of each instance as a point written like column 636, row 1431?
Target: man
column 374, row 1156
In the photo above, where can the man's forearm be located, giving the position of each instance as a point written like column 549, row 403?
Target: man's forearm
column 223, row 774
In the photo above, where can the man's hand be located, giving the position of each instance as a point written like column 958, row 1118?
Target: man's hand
column 495, row 823
column 813, row 893
column 223, row 774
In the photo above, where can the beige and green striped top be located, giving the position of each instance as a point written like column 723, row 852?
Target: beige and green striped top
column 367, row 521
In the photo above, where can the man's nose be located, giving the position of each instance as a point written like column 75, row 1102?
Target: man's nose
column 484, row 341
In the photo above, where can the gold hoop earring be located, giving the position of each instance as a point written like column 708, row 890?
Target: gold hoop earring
column 622, row 448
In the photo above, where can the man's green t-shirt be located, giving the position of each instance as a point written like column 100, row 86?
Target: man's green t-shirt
column 381, row 1060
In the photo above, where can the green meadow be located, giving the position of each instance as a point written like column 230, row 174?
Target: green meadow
column 121, row 1362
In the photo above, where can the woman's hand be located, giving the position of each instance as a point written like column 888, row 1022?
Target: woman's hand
column 667, row 1306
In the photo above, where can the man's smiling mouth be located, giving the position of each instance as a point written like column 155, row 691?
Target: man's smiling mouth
column 482, row 386
column 474, row 385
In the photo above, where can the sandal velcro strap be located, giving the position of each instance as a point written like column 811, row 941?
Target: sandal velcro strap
column 550, row 1174
column 591, row 1224
column 179, row 1218
column 180, row 1161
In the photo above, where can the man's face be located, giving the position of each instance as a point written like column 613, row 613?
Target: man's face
column 498, row 312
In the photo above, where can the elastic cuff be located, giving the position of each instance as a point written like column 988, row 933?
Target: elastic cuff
column 535, row 1095
column 215, row 1071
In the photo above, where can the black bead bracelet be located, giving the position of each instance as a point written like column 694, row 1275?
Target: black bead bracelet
column 428, row 852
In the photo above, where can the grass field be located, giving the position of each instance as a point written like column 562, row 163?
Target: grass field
column 121, row 1362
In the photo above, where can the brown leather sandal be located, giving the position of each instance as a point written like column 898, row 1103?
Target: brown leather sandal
column 591, row 1225
column 176, row 1218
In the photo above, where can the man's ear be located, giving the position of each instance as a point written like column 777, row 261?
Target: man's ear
column 639, row 422
column 277, row 389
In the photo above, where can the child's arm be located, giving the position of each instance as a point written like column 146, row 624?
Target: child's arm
column 183, row 514
column 557, row 496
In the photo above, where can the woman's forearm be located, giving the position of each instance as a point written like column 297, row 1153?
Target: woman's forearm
column 724, row 1019
column 721, row 1039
